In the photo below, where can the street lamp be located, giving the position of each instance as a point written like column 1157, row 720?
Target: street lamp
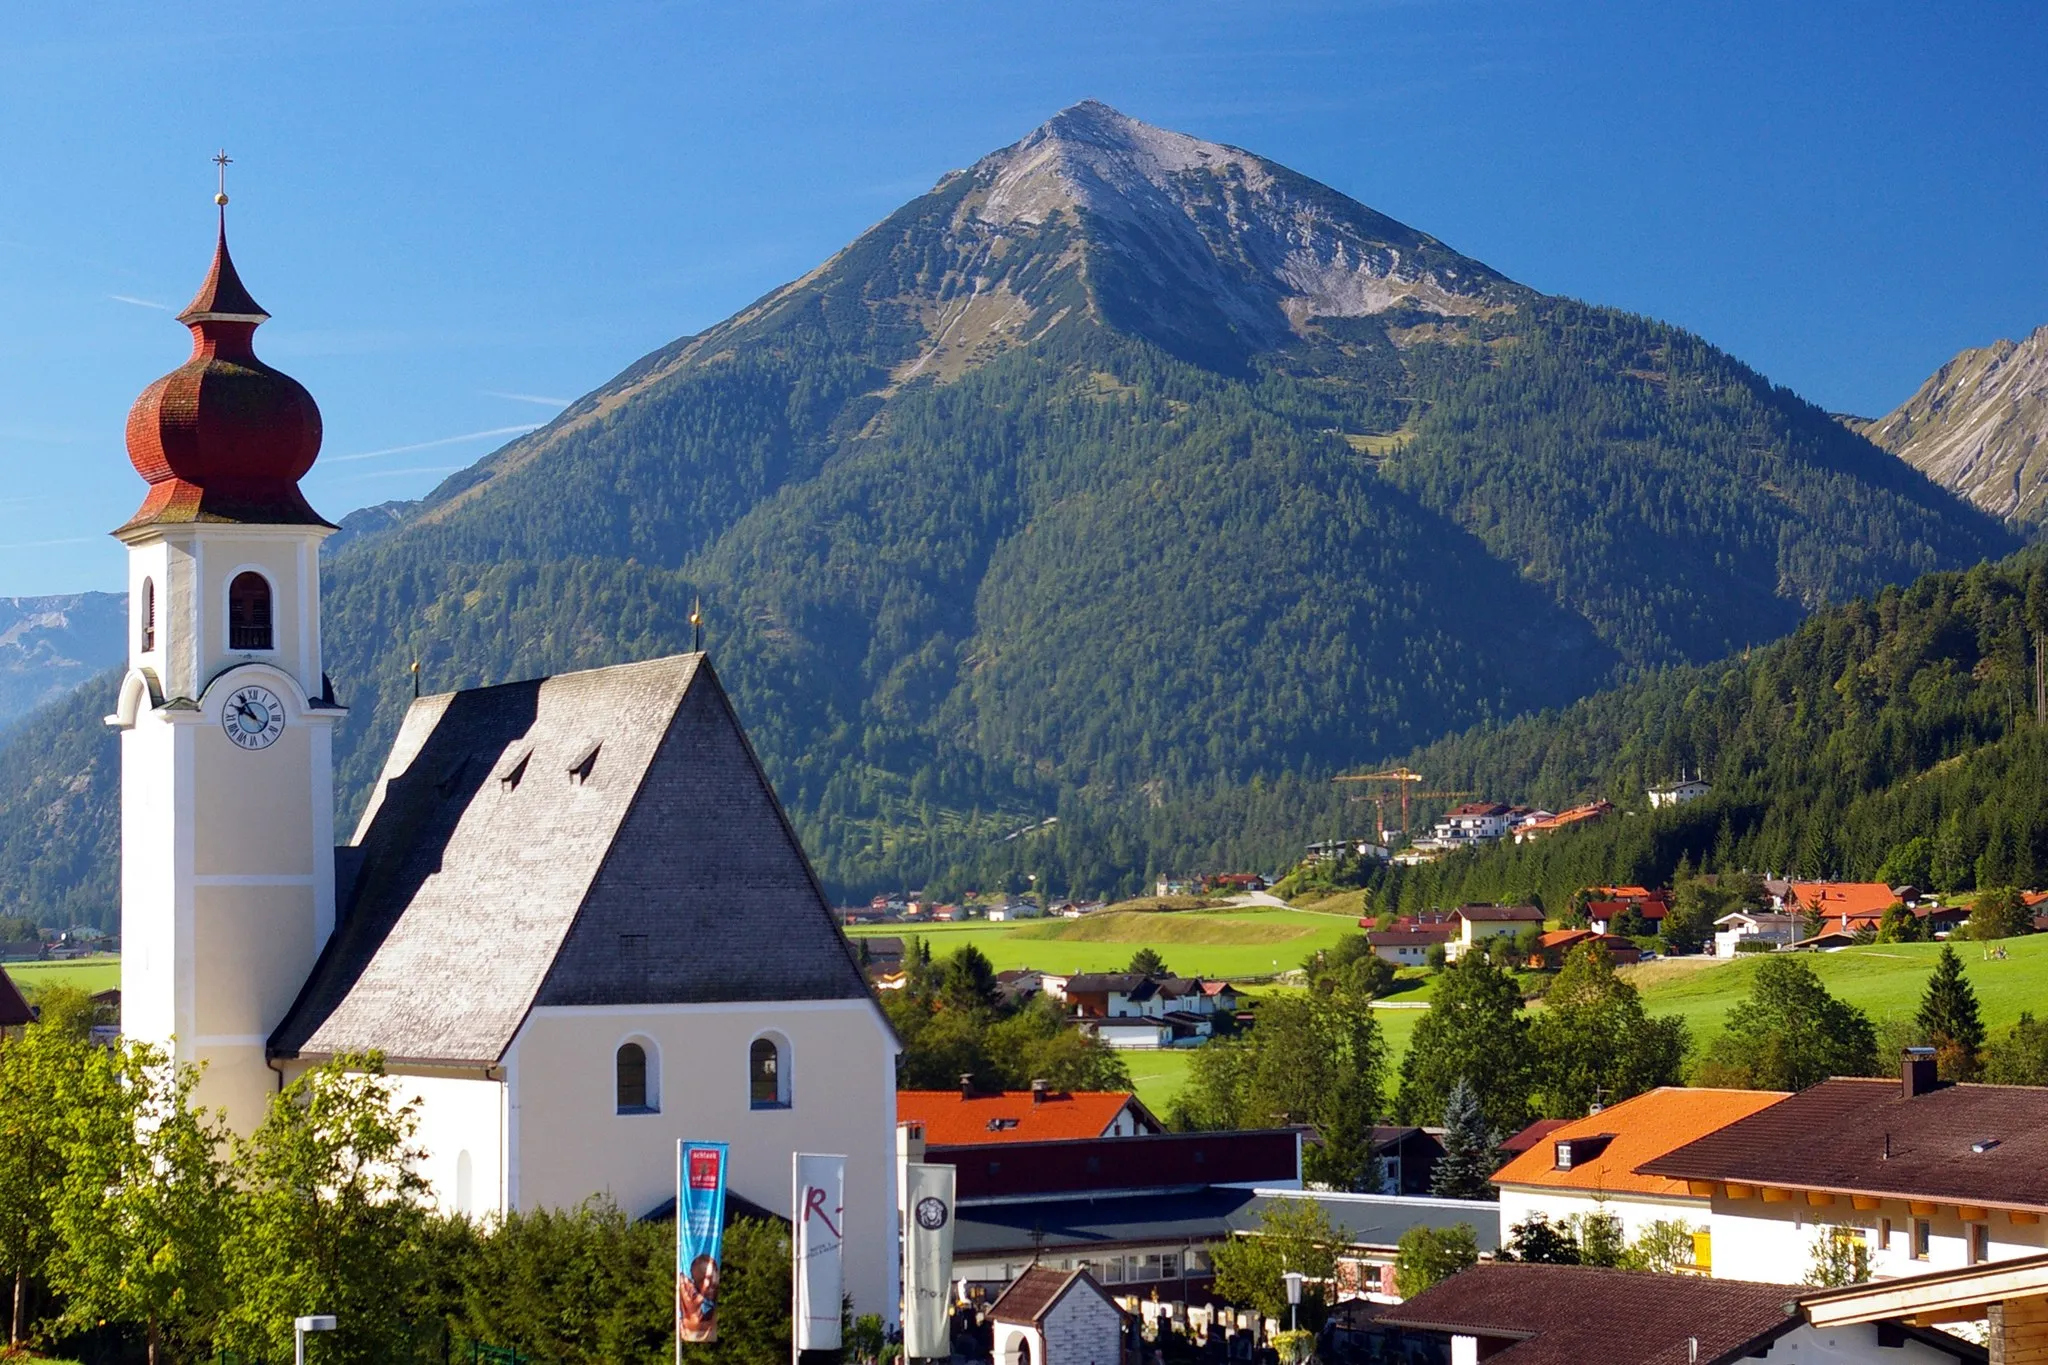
column 1293, row 1278
column 300, row 1326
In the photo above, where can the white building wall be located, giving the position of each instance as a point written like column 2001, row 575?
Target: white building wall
column 1774, row 1242
column 462, row 1133
column 1636, row 1212
column 567, row 1141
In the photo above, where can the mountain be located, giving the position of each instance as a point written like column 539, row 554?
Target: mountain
column 1892, row 738
column 50, row 645
column 1119, row 470
column 1979, row 426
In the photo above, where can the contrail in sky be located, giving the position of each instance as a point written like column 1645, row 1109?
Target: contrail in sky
column 140, row 303
column 528, row 398
column 520, row 430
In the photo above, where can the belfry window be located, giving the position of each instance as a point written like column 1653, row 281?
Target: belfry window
column 249, row 613
column 636, row 1090
column 767, row 1075
column 148, row 614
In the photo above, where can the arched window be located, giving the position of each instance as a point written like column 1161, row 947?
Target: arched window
column 636, row 1080
column 148, row 615
column 249, row 616
column 767, row 1075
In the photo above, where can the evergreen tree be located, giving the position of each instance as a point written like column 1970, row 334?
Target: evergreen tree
column 2019, row 1056
column 1948, row 1016
column 1466, row 1168
column 1998, row 913
column 1148, row 962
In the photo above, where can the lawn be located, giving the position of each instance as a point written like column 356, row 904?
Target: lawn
column 93, row 974
column 1885, row 981
column 1251, row 941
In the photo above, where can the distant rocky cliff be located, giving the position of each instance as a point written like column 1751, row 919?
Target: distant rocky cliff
column 1979, row 426
column 49, row 645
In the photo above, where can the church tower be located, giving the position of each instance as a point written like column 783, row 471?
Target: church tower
column 226, row 720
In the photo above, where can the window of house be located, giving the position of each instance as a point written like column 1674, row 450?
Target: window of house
column 1884, row 1234
column 249, row 612
column 636, row 1096
column 1923, row 1236
column 148, row 615
column 1980, row 1243
column 767, row 1075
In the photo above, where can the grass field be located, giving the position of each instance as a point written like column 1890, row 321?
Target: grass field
column 92, row 974
column 1884, row 981
column 1236, row 943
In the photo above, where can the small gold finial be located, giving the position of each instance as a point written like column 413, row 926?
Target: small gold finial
column 222, row 160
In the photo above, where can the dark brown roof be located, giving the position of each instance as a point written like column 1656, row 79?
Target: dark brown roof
column 503, row 868
column 14, row 1010
column 1419, row 937
column 1032, row 1295
column 1499, row 913
column 1530, row 1136
column 1572, row 1315
column 1833, row 1136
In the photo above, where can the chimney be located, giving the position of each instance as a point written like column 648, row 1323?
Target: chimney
column 1039, row 1091
column 1917, row 1072
column 967, row 1087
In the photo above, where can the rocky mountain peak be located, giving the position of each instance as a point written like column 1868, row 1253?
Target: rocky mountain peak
column 1979, row 426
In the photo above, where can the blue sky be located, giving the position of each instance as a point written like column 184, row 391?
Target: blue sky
column 462, row 214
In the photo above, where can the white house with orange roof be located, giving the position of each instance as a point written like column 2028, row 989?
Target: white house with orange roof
column 955, row 1118
column 1588, row 1166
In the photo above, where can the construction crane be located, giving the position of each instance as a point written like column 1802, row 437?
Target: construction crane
column 1401, row 780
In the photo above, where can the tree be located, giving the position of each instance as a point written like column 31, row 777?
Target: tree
column 1789, row 1033
column 1351, row 966
column 1898, row 925
column 1147, row 962
column 1426, row 1256
column 1593, row 1041
column 1696, row 902
column 967, row 983
column 145, row 1203
column 2019, row 1056
column 1293, row 1234
column 1909, row 864
column 1474, row 1030
column 1664, row 1245
column 40, row 1086
column 1465, row 1170
column 1601, row 1239
column 332, row 1214
column 1948, row 1015
column 1840, row 1257
column 1312, row 1059
column 1999, row 913
column 1538, row 1240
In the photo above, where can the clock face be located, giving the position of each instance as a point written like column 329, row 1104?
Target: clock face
column 253, row 717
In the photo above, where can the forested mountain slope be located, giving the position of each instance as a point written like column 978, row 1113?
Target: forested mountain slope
column 49, row 645
column 1123, row 469
column 1894, row 737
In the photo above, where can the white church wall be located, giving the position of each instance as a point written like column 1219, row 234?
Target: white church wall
column 150, row 886
column 568, row 1140
column 462, row 1133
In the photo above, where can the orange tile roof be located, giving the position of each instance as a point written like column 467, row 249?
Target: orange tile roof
column 950, row 1120
column 1836, row 900
column 1644, row 1129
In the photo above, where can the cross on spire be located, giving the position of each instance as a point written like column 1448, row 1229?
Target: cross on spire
column 222, row 160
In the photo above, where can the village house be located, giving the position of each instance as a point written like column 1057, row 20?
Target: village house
column 1922, row 1175
column 1772, row 927
column 1846, row 907
column 1477, row 923
column 1409, row 946
column 970, row 1117
column 1369, row 1228
column 14, row 1010
column 1608, row 904
column 1680, row 793
column 1557, row 945
column 1587, row 1315
column 1407, row 1157
column 1133, row 1011
column 1590, row 1165
column 1051, row 1317
column 1542, row 824
column 1475, row 822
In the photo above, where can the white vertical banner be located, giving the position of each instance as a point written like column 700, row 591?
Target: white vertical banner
column 817, row 1220
column 927, row 1261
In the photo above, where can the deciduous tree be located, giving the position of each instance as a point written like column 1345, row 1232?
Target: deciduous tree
column 1474, row 1030
column 1789, row 1033
column 1294, row 1234
column 1426, row 1256
column 1593, row 1040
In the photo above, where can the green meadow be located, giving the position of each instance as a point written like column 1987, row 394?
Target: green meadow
column 1238, row 943
column 91, row 974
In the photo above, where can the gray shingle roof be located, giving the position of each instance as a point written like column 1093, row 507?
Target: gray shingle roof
column 596, row 838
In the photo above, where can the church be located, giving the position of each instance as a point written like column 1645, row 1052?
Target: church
column 573, row 917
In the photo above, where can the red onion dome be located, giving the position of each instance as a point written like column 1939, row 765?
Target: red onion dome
column 224, row 437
